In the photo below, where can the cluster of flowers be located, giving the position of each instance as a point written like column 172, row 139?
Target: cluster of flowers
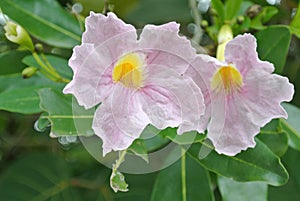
column 158, row 78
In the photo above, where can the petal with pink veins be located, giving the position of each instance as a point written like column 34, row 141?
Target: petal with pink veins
column 241, row 51
column 164, row 46
column 171, row 100
column 119, row 120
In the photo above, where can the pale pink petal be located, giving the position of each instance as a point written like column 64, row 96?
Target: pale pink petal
column 171, row 100
column 165, row 47
column 111, row 34
column 119, row 120
column 91, row 81
column 105, row 40
column 201, row 70
column 230, row 128
column 233, row 120
column 263, row 93
column 241, row 51
column 100, row 28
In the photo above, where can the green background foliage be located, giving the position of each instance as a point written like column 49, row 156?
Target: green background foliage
column 34, row 166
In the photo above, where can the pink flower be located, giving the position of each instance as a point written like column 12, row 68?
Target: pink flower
column 241, row 95
column 137, row 81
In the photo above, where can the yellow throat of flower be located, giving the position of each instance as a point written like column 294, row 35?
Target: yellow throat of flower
column 228, row 79
column 129, row 70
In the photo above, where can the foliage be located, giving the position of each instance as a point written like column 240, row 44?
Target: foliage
column 35, row 167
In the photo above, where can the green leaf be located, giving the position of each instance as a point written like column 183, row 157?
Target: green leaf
column 159, row 11
column 24, row 100
column 295, row 24
column 272, row 126
column 37, row 177
column 20, row 95
column 10, row 62
column 291, row 125
column 219, row 7
column 263, row 17
column 138, row 147
column 273, row 44
column 244, row 7
column 290, row 191
column 60, row 64
column 65, row 115
column 152, row 140
column 169, row 185
column 44, row 19
column 185, row 138
column 15, row 81
column 242, row 191
column 277, row 142
column 258, row 164
column 232, row 8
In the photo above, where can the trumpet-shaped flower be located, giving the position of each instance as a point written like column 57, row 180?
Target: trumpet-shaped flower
column 138, row 81
column 241, row 94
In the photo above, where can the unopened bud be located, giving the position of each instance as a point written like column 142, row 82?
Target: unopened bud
column 29, row 71
column 16, row 34
column 39, row 48
column 204, row 24
column 240, row 19
column 225, row 34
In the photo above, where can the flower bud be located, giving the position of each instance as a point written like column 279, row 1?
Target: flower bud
column 39, row 48
column 225, row 35
column 29, row 71
column 16, row 34
column 240, row 19
column 204, row 24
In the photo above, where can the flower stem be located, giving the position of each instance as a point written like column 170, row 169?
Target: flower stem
column 105, row 7
column 47, row 69
column 121, row 159
column 183, row 174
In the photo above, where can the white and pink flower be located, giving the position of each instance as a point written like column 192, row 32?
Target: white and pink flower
column 138, row 81
column 241, row 95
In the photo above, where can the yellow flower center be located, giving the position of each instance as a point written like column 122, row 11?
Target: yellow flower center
column 129, row 70
column 228, row 79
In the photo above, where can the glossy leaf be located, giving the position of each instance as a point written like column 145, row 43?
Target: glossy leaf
column 168, row 185
column 37, row 177
column 138, row 147
column 242, row 191
column 20, row 95
column 291, row 125
column 258, row 164
column 290, row 191
column 263, row 17
column 10, row 62
column 152, row 139
column 273, row 44
column 65, row 115
column 160, row 11
column 45, row 20
column 232, row 8
column 24, row 100
column 185, row 138
column 277, row 142
column 219, row 7
column 60, row 64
